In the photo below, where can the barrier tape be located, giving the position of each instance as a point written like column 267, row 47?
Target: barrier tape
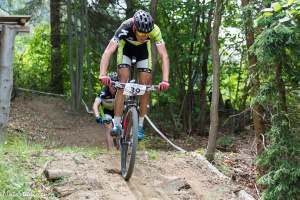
column 53, row 94
column 39, row 92
column 163, row 136
column 86, row 107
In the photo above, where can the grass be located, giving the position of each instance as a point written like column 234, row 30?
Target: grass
column 153, row 142
column 153, row 155
column 201, row 151
column 218, row 163
column 90, row 152
column 17, row 163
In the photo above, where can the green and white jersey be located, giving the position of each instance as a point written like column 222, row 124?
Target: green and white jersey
column 125, row 32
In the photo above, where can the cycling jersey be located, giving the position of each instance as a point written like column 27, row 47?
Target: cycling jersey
column 129, row 47
column 106, row 100
column 125, row 32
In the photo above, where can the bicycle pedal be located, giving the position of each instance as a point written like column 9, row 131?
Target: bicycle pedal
column 115, row 132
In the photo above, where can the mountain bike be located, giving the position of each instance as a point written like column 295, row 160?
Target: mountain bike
column 128, row 137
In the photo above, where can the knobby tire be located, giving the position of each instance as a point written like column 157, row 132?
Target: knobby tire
column 128, row 150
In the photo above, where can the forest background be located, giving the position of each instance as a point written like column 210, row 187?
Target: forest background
column 259, row 74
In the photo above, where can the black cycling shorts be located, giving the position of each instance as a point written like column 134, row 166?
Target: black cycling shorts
column 142, row 53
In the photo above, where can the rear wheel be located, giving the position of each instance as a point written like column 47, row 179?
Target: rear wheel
column 129, row 142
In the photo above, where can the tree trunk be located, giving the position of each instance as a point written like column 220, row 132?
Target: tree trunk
column 90, row 76
column 239, row 79
column 131, row 5
column 281, row 87
column 204, row 74
column 185, row 113
column 76, row 72
column 153, row 11
column 80, row 56
column 7, row 39
column 246, row 89
column 190, row 92
column 88, row 61
column 70, row 52
column 214, row 115
column 56, row 59
column 257, row 114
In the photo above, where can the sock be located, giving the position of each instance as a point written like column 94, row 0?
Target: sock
column 141, row 121
column 117, row 120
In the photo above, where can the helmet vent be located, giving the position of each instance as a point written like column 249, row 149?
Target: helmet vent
column 143, row 21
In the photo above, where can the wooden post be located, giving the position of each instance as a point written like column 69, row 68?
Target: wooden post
column 7, row 39
column 9, row 27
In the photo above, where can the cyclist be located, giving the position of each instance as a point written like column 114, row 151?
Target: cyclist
column 133, row 39
column 104, row 103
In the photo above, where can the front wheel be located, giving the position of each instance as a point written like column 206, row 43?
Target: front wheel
column 128, row 143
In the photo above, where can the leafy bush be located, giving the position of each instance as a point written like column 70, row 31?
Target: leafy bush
column 32, row 59
column 282, row 162
column 225, row 142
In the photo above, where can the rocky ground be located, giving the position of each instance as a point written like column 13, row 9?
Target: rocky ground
column 158, row 174
column 167, row 176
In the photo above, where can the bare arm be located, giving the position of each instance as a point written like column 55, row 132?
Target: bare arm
column 110, row 49
column 161, row 48
column 96, row 108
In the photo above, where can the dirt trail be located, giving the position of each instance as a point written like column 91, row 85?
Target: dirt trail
column 169, row 176
column 49, row 119
column 164, row 176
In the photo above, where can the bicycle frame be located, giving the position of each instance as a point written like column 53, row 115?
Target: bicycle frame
column 128, row 137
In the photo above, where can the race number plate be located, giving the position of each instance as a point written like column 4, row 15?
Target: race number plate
column 133, row 89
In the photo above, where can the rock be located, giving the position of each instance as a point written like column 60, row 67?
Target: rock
column 54, row 174
column 78, row 159
column 174, row 184
column 93, row 181
column 243, row 195
column 63, row 191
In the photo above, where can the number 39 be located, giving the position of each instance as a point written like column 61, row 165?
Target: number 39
column 135, row 90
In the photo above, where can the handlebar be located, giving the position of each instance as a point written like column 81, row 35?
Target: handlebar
column 119, row 85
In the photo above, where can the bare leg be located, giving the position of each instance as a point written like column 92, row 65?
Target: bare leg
column 119, row 100
column 109, row 139
column 146, row 79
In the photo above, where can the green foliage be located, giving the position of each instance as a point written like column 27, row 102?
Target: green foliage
column 267, row 94
column 282, row 161
column 271, row 44
column 280, row 33
column 278, row 43
column 32, row 58
column 184, row 41
column 225, row 142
